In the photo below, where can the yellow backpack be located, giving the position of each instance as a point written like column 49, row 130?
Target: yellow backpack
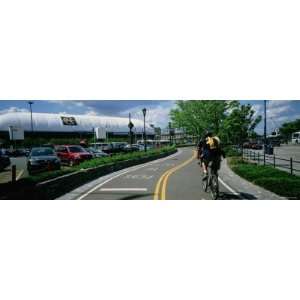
column 213, row 142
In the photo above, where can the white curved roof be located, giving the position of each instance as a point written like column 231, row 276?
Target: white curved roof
column 53, row 123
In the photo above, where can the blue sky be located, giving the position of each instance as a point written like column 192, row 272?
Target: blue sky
column 158, row 110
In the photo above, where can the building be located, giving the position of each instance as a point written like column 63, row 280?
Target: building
column 178, row 136
column 46, row 125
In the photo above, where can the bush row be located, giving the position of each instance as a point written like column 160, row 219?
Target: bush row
column 272, row 179
column 50, row 185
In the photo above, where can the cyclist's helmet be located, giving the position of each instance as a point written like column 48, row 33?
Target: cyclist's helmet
column 208, row 134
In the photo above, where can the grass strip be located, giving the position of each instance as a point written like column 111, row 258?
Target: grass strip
column 272, row 179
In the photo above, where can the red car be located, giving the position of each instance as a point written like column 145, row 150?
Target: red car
column 72, row 154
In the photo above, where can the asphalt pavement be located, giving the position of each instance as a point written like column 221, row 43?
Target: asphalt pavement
column 178, row 176
column 21, row 167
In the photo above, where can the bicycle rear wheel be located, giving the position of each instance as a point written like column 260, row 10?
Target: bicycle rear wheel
column 214, row 187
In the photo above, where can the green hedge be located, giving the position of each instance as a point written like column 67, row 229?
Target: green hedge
column 272, row 179
column 231, row 152
column 37, row 187
column 185, row 145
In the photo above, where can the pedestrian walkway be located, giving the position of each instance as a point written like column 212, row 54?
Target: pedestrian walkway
column 244, row 188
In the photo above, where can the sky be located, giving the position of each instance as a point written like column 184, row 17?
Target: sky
column 157, row 110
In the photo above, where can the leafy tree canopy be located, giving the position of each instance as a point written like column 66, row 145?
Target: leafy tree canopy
column 230, row 120
column 288, row 128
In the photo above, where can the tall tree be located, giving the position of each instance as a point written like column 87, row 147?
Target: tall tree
column 240, row 124
column 288, row 128
column 196, row 116
column 230, row 120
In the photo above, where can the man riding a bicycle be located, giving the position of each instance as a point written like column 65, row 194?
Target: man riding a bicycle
column 211, row 154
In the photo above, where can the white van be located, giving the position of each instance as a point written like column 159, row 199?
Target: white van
column 296, row 137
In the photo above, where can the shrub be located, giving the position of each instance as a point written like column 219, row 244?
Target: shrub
column 230, row 151
column 270, row 178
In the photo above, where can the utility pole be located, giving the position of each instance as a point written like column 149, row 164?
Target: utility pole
column 145, row 138
column 170, row 137
column 30, row 104
column 265, row 124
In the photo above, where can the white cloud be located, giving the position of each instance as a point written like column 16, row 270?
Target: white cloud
column 13, row 109
column 158, row 115
column 79, row 104
column 275, row 109
column 91, row 113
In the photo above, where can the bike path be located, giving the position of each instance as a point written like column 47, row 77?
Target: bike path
column 186, row 183
column 174, row 177
column 178, row 176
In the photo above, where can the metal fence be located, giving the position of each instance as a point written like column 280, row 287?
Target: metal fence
column 286, row 164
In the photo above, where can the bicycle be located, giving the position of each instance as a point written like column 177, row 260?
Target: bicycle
column 212, row 181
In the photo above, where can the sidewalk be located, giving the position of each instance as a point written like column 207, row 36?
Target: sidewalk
column 244, row 188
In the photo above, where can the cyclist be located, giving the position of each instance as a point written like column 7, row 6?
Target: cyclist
column 212, row 152
column 199, row 150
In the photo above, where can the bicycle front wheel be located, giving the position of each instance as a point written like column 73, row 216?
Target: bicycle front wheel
column 214, row 187
column 205, row 184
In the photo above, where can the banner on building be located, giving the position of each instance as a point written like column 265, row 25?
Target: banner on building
column 70, row 121
column 16, row 133
column 100, row 133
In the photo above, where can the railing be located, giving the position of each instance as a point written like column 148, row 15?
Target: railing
column 275, row 161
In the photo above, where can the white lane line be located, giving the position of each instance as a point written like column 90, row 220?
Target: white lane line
column 131, row 170
column 20, row 174
column 228, row 187
column 123, row 190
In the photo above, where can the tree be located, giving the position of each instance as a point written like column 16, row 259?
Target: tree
column 197, row 116
column 230, row 120
column 240, row 124
column 288, row 128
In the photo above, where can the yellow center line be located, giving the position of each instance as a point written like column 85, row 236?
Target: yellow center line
column 157, row 188
column 162, row 182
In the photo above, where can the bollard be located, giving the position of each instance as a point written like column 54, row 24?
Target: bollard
column 291, row 164
column 13, row 173
column 274, row 164
column 258, row 158
column 264, row 158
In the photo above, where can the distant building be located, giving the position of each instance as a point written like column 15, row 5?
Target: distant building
column 178, row 136
column 66, row 125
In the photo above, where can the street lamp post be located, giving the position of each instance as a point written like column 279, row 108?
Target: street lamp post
column 265, row 125
column 145, row 142
column 130, row 126
column 30, row 104
column 170, row 133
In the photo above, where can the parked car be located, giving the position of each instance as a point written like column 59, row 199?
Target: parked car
column 132, row 148
column 118, row 146
column 42, row 159
column 4, row 160
column 72, row 154
column 105, row 147
column 142, row 147
column 96, row 152
column 17, row 153
column 256, row 146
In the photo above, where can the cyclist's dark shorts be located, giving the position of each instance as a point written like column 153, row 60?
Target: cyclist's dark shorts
column 215, row 162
